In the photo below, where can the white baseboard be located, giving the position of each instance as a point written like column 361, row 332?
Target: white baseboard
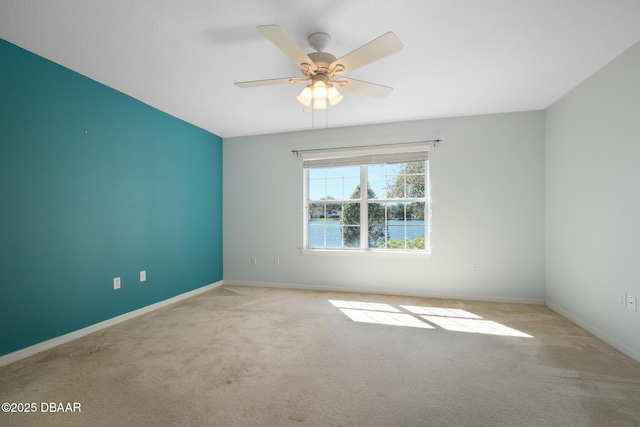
column 613, row 342
column 54, row 342
column 385, row 292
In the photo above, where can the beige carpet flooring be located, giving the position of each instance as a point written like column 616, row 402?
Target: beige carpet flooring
column 242, row 356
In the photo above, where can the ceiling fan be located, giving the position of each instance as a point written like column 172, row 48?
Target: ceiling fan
column 324, row 71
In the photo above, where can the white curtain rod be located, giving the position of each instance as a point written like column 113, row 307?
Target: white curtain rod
column 314, row 150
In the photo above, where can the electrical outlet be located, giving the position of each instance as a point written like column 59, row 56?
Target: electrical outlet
column 475, row 268
column 254, row 260
column 276, row 260
column 622, row 299
column 632, row 303
column 116, row 283
column 143, row 275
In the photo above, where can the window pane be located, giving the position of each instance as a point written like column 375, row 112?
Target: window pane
column 403, row 227
column 316, row 234
column 333, row 172
column 394, row 210
column 351, row 171
column 352, row 187
column 333, row 225
column 316, row 173
column 376, row 187
column 415, row 179
column 324, row 225
column 413, row 168
column 334, row 188
column 395, row 187
column 351, row 236
column 375, row 169
column 316, row 211
column 415, row 211
column 415, row 236
column 351, row 224
column 415, row 186
column 338, row 183
column 316, row 189
column 396, row 235
column 398, row 180
column 396, row 168
column 332, row 234
column 377, row 228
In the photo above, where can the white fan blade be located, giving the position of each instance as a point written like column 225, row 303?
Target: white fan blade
column 282, row 40
column 377, row 49
column 364, row 88
column 256, row 83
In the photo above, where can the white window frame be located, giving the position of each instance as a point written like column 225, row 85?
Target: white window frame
column 364, row 156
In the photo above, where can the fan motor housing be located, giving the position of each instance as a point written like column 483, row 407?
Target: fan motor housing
column 322, row 60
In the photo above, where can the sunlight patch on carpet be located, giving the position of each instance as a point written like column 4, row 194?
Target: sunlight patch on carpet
column 382, row 318
column 439, row 311
column 358, row 305
column 449, row 319
column 475, row 326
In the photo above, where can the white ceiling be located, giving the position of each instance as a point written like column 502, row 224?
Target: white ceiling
column 460, row 57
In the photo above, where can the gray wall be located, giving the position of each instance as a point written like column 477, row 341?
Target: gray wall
column 487, row 180
column 593, row 202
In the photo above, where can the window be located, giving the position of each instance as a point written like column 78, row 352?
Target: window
column 394, row 207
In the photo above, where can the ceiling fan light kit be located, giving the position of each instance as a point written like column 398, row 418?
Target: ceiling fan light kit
column 320, row 90
column 321, row 67
column 306, row 96
column 334, row 96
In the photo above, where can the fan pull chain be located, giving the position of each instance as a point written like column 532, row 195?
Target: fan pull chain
column 326, row 118
column 313, row 117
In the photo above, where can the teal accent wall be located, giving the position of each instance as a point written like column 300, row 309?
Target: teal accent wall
column 95, row 185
